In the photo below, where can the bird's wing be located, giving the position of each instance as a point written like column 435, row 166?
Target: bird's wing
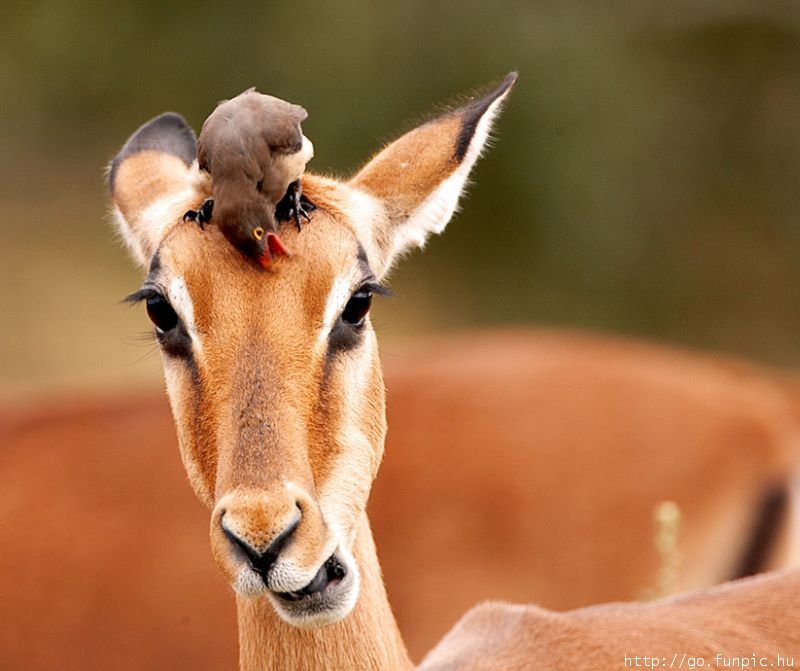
column 282, row 131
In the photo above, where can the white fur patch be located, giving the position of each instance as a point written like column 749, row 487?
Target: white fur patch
column 181, row 302
column 344, row 494
column 368, row 215
column 153, row 222
column 339, row 600
column 337, row 299
column 129, row 237
column 175, row 377
column 249, row 584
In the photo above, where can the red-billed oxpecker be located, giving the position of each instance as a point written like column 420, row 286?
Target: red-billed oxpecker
column 254, row 150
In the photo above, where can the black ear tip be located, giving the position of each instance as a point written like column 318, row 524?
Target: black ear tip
column 170, row 121
column 472, row 113
column 168, row 133
column 510, row 80
column 506, row 85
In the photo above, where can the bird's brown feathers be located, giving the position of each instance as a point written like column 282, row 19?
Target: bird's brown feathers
column 253, row 148
column 249, row 124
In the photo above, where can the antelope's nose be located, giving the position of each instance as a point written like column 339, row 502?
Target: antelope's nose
column 261, row 559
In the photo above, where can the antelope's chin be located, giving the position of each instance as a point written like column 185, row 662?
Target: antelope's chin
column 327, row 598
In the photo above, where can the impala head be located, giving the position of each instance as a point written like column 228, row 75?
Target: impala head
column 274, row 377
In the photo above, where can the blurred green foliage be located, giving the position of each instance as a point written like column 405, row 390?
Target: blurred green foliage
column 644, row 179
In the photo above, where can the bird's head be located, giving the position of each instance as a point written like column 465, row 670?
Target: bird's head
column 250, row 228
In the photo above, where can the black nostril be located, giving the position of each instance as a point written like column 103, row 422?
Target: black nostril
column 261, row 562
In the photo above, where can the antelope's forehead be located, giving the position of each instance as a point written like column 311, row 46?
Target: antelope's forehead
column 326, row 255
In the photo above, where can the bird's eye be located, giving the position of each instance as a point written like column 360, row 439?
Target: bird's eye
column 357, row 307
column 161, row 313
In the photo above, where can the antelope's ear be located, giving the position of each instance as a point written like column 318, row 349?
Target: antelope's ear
column 151, row 182
column 419, row 178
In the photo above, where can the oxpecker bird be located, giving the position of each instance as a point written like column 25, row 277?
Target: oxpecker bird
column 254, row 150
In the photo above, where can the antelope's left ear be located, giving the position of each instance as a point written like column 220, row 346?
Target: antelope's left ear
column 151, row 182
column 419, row 178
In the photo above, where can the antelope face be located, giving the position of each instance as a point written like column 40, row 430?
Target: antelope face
column 276, row 389
column 273, row 376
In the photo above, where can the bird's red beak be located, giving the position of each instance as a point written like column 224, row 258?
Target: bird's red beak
column 275, row 247
column 265, row 260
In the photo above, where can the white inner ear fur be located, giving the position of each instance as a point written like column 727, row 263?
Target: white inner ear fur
column 129, row 238
column 438, row 208
column 144, row 232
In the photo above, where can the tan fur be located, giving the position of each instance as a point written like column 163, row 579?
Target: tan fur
column 754, row 622
column 398, row 176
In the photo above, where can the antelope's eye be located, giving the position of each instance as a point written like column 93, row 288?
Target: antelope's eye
column 357, row 307
column 161, row 313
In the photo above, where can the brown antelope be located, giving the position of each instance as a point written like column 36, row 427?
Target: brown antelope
column 276, row 388
column 274, row 378
column 750, row 623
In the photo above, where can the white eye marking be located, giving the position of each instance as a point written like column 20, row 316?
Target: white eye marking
column 182, row 304
column 337, row 299
column 345, row 491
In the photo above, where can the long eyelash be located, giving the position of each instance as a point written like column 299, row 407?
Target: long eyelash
column 376, row 288
column 141, row 295
column 149, row 354
column 142, row 338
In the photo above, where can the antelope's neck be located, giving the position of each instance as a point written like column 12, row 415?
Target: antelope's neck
column 368, row 638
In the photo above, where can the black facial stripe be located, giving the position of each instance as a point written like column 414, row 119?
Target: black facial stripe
column 344, row 337
column 176, row 341
column 361, row 256
column 155, row 264
column 363, row 264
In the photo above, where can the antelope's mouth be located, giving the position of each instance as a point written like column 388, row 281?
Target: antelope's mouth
column 330, row 574
column 328, row 598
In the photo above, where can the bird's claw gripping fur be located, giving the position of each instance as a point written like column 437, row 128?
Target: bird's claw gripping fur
column 294, row 206
column 202, row 215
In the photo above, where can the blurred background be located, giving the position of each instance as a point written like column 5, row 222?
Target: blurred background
column 644, row 179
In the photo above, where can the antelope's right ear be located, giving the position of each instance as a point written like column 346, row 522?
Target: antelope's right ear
column 151, row 182
column 418, row 179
